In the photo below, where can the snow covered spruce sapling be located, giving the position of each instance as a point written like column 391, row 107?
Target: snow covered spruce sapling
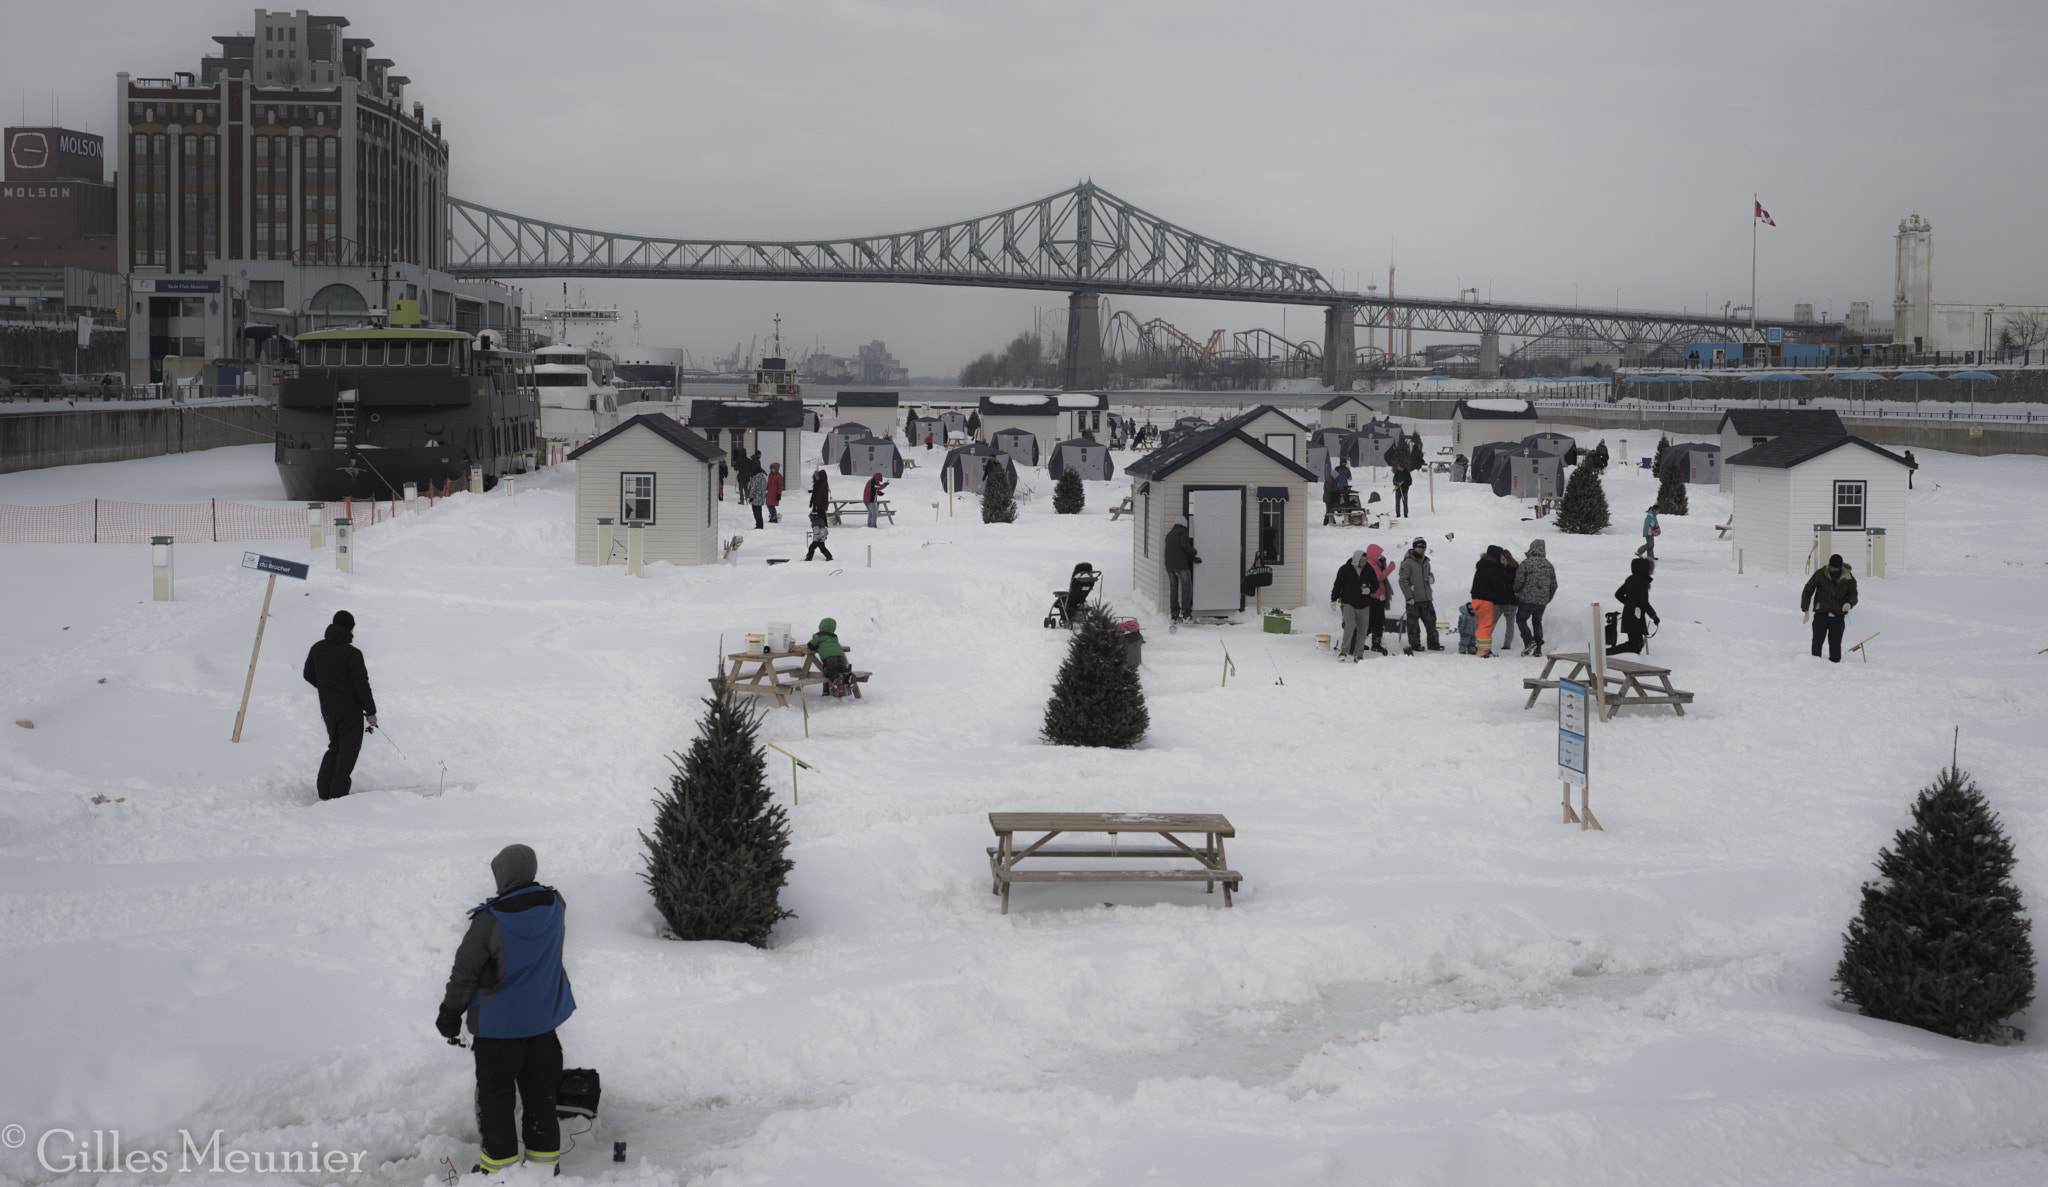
column 997, row 502
column 1583, row 511
column 1068, row 497
column 715, row 862
column 1671, row 499
column 1096, row 699
column 1940, row 942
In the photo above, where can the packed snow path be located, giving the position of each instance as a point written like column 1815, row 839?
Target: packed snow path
column 1427, row 979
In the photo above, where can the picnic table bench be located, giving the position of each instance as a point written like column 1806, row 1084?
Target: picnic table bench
column 768, row 678
column 1624, row 677
column 860, row 507
column 1121, row 509
column 1208, row 856
column 1721, row 530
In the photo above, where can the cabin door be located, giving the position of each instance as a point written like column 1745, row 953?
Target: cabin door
column 769, row 442
column 1216, row 524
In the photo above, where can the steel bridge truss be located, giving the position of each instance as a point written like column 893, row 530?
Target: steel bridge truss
column 1084, row 238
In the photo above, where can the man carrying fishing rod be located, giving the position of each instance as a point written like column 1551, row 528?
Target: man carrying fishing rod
column 336, row 668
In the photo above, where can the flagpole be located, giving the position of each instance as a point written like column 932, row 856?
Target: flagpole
column 1754, row 202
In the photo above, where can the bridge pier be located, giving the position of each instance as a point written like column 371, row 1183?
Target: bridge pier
column 1340, row 346
column 1489, row 354
column 1081, row 368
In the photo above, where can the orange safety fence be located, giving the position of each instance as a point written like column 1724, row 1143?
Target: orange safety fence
column 116, row 521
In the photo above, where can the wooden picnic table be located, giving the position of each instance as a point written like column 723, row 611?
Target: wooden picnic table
column 782, row 682
column 1624, row 676
column 1208, row 857
column 1117, row 512
column 860, row 507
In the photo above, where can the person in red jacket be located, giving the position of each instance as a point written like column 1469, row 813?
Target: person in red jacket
column 774, row 491
column 872, row 496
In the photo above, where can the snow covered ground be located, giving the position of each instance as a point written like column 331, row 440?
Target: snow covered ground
column 1427, row 980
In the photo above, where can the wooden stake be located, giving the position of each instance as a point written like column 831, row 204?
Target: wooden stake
column 248, row 683
column 1599, row 658
column 1570, row 817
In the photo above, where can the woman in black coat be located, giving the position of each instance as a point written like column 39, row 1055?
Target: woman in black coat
column 1634, row 596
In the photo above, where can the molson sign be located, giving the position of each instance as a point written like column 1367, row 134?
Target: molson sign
column 48, row 154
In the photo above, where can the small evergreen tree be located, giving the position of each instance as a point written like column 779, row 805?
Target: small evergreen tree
column 1097, row 699
column 1940, row 943
column 1671, row 497
column 1583, row 510
column 998, row 505
column 715, row 862
column 1068, row 496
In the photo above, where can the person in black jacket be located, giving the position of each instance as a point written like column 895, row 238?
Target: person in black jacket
column 1492, row 584
column 1354, row 591
column 1634, row 596
column 336, row 668
column 1181, row 560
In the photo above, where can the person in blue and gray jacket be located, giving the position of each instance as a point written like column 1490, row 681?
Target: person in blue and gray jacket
column 508, row 980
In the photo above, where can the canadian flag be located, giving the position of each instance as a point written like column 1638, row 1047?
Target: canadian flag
column 1764, row 215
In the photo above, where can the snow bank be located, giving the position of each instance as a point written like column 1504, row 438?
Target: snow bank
column 1487, row 404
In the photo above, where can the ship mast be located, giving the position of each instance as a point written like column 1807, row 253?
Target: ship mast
column 778, row 335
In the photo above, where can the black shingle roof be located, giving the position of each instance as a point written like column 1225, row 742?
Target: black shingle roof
column 1771, row 422
column 1244, row 418
column 1465, row 410
column 746, row 414
column 1339, row 401
column 1784, row 452
column 999, row 405
column 867, row 400
column 662, row 426
column 1168, row 458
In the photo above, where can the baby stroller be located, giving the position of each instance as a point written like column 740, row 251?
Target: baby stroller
column 1067, row 603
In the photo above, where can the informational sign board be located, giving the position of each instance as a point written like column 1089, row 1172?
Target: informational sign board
column 271, row 564
column 1775, row 334
column 1571, row 731
column 84, row 332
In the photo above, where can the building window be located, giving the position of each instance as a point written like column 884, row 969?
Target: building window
column 636, row 498
column 1849, row 506
column 266, row 294
column 1145, row 521
column 262, row 232
column 710, row 497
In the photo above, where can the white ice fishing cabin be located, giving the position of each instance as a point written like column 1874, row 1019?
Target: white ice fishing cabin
column 774, row 427
column 1745, row 428
column 1241, row 499
column 1052, row 417
column 653, row 471
column 1477, row 422
column 1346, row 412
column 1801, row 497
column 1275, row 430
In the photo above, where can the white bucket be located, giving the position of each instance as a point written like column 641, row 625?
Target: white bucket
column 757, row 644
column 1323, row 642
column 778, row 636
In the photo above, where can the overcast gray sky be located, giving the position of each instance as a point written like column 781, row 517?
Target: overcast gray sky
column 1536, row 151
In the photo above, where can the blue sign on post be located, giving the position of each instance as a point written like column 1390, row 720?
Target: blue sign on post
column 271, row 564
column 1774, row 334
column 1573, row 750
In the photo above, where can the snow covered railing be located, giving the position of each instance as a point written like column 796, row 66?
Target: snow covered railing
column 117, row 521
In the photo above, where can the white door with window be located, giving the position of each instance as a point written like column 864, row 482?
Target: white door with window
column 1216, row 525
column 769, row 442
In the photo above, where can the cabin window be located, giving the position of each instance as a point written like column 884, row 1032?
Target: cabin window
column 1849, row 506
column 1273, row 524
column 710, row 497
column 440, row 354
column 636, row 498
column 373, row 354
column 1145, row 520
column 354, row 355
column 419, row 354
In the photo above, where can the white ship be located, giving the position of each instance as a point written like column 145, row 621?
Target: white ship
column 578, row 399
column 594, row 327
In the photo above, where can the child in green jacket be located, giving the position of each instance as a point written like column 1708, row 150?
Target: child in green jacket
column 832, row 655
